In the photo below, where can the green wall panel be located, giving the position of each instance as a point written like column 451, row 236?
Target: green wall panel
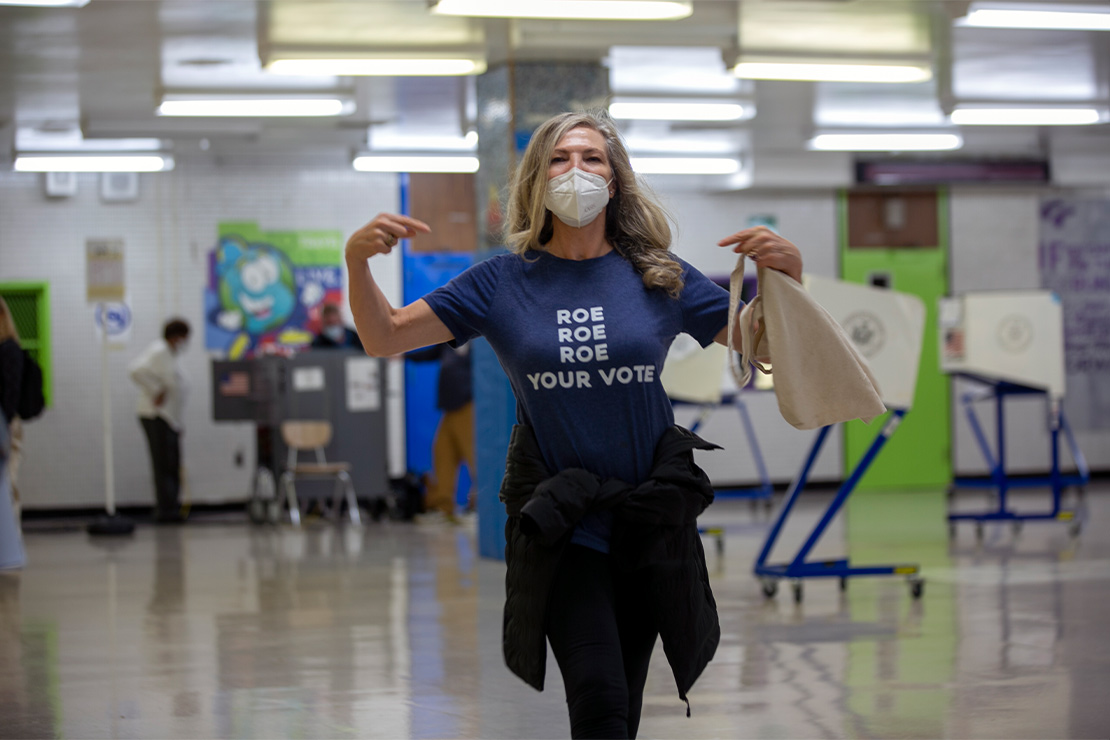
column 918, row 455
column 30, row 307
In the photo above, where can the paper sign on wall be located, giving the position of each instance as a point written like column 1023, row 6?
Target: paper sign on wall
column 104, row 280
column 364, row 389
column 308, row 379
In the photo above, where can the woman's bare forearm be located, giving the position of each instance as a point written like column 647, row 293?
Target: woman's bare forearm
column 372, row 311
column 383, row 329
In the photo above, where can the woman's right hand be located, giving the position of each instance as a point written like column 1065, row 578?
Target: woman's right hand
column 382, row 234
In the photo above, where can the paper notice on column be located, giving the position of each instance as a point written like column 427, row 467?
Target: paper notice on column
column 364, row 388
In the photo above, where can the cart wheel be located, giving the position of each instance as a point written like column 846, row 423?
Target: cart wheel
column 917, row 587
column 256, row 510
column 798, row 592
column 770, row 587
column 843, row 584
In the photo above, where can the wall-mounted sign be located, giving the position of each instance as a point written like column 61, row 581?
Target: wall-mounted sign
column 104, row 278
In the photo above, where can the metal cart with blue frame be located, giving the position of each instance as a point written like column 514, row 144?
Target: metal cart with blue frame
column 1011, row 342
column 1000, row 481
column 865, row 313
column 799, row 567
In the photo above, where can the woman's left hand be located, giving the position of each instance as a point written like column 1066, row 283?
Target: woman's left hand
column 767, row 249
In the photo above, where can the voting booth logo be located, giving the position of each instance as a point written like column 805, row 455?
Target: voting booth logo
column 266, row 290
column 866, row 331
column 1015, row 333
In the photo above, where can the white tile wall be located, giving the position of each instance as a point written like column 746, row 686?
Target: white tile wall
column 167, row 234
column 169, row 230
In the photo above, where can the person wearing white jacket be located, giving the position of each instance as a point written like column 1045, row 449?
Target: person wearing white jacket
column 162, row 394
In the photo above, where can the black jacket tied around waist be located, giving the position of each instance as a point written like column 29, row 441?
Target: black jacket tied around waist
column 654, row 534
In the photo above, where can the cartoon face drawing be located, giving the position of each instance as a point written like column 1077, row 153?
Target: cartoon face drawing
column 256, row 283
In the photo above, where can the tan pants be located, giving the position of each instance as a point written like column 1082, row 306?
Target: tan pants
column 453, row 445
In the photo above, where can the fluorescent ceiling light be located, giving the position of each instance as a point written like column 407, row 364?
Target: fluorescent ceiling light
column 679, row 111
column 80, row 163
column 1025, row 116
column 29, row 139
column 415, row 163
column 680, row 145
column 393, row 140
column 247, row 107
column 685, row 165
column 878, row 142
column 617, row 10
column 1055, row 17
column 377, row 67
column 47, row 3
column 808, row 71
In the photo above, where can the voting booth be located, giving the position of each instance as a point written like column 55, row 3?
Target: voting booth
column 887, row 328
column 1011, row 343
column 1011, row 336
column 344, row 388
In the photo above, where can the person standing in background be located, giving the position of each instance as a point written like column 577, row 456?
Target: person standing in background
column 334, row 335
column 11, row 384
column 454, row 439
column 163, row 388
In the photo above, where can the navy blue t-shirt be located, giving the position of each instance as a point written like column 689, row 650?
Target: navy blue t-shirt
column 583, row 343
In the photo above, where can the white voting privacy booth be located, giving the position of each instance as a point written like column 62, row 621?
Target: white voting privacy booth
column 1011, row 343
column 887, row 328
column 1015, row 336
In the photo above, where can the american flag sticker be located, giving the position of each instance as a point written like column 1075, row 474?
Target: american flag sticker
column 235, row 383
column 954, row 344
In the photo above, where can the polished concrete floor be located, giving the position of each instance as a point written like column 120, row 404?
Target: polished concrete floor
column 221, row 629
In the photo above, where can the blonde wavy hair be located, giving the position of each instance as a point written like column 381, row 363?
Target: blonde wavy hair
column 636, row 225
column 8, row 329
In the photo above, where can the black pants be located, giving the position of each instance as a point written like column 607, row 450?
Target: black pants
column 165, row 456
column 602, row 640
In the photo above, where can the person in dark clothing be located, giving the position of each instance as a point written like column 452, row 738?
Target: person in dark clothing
column 11, row 386
column 654, row 581
column 11, row 376
column 454, row 439
column 581, row 313
column 334, row 335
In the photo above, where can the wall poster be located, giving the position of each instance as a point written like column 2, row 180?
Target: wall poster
column 1075, row 264
column 265, row 290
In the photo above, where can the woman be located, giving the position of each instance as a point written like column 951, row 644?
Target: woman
column 11, row 382
column 581, row 314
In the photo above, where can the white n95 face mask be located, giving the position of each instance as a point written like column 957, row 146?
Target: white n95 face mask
column 577, row 197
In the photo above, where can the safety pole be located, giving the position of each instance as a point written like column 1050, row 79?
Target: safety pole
column 110, row 523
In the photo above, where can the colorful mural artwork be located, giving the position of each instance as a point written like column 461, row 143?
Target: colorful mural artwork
column 266, row 289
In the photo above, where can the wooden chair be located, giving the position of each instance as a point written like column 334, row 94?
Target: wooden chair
column 303, row 436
